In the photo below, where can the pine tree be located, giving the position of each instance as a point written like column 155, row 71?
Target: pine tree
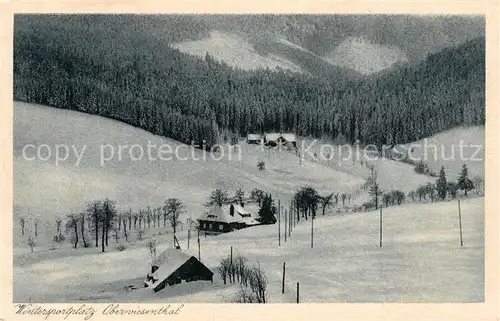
column 452, row 189
column 375, row 192
column 464, row 183
column 267, row 212
column 442, row 184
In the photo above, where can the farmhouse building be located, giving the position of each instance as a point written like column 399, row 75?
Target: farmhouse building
column 254, row 138
column 174, row 266
column 275, row 139
column 217, row 220
column 227, row 218
column 245, row 215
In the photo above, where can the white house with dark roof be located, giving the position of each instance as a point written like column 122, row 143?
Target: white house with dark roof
column 227, row 218
column 245, row 214
column 254, row 138
column 217, row 220
column 274, row 139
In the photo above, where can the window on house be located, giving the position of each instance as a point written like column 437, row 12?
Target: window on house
column 221, row 227
column 210, row 225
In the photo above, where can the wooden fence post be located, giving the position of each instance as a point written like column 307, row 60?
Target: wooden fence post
column 380, row 232
column 283, row 281
column 460, row 222
column 199, row 251
column 297, row 292
column 286, row 217
column 279, row 223
column 312, row 231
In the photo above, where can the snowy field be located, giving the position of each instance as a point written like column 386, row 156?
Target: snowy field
column 444, row 149
column 235, row 51
column 421, row 261
column 39, row 186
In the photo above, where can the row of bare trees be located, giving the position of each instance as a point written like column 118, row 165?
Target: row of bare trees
column 23, row 222
column 101, row 219
column 307, row 201
column 219, row 197
column 252, row 279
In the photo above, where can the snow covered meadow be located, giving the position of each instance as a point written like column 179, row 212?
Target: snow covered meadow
column 421, row 259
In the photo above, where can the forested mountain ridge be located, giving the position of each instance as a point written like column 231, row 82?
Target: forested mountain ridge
column 116, row 71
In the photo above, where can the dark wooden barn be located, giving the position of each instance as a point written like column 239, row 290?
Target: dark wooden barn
column 174, row 266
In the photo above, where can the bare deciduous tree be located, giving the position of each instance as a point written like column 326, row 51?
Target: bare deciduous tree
column 152, row 250
column 58, row 225
column 31, row 243
column 223, row 270
column 140, row 233
column 72, row 224
column 258, row 284
column 218, row 197
column 174, row 209
column 36, row 223
column 326, row 201
column 82, row 227
column 22, row 221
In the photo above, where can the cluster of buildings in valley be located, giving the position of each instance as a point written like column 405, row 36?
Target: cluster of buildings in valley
column 174, row 266
column 273, row 139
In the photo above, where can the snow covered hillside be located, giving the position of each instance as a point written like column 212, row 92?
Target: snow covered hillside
column 355, row 53
column 39, row 186
column 421, row 260
column 45, row 190
column 235, row 51
column 444, row 149
column 364, row 56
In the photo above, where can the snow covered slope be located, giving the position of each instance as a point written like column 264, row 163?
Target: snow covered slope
column 451, row 149
column 364, row 56
column 354, row 53
column 45, row 189
column 235, row 51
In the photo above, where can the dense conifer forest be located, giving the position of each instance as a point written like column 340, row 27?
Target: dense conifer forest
column 115, row 70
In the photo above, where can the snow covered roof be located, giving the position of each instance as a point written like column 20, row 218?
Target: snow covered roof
column 218, row 214
column 240, row 209
column 254, row 137
column 247, row 215
column 170, row 255
column 245, row 211
column 275, row 136
column 167, row 262
column 272, row 136
column 289, row 137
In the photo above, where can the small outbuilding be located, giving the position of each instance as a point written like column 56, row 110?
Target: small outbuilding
column 174, row 266
column 254, row 138
column 275, row 139
column 245, row 215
